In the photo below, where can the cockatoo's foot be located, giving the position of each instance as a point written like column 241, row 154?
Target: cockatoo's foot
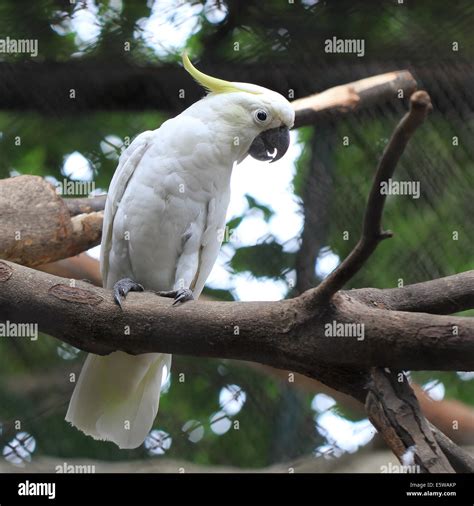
column 122, row 287
column 181, row 295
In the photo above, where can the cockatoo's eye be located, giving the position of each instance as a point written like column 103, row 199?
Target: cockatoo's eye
column 261, row 116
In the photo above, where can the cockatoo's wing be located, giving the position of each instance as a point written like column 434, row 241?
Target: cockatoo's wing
column 210, row 241
column 128, row 162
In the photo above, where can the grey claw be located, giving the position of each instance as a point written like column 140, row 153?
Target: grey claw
column 122, row 287
column 180, row 296
column 118, row 300
column 183, row 295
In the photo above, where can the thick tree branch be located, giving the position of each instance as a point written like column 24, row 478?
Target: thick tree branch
column 459, row 459
column 441, row 413
column 85, row 205
column 82, row 267
column 395, row 412
column 43, row 227
column 372, row 232
column 447, row 295
column 353, row 96
column 283, row 334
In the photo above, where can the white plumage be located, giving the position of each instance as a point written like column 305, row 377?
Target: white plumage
column 163, row 223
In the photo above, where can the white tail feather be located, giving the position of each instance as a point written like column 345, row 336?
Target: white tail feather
column 117, row 396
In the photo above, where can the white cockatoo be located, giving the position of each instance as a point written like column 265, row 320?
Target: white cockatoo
column 163, row 227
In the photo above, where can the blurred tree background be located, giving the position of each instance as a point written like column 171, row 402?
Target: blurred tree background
column 121, row 58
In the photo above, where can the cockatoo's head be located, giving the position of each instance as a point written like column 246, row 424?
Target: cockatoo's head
column 263, row 114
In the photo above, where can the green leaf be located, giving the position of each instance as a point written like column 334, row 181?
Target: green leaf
column 254, row 204
column 234, row 223
column 262, row 260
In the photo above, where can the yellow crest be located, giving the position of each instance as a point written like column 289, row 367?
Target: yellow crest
column 214, row 85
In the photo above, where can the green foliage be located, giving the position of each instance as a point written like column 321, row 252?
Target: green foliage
column 262, row 260
column 455, row 388
column 218, row 294
column 305, row 135
column 35, row 144
column 253, row 204
column 421, row 249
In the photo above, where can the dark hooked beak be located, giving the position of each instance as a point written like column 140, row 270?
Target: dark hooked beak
column 271, row 144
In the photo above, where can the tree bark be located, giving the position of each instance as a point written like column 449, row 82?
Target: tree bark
column 353, row 96
column 41, row 228
column 285, row 334
column 394, row 410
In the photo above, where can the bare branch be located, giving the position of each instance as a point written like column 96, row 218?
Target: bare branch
column 40, row 229
column 372, row 232
column 86, row 205
column 82, row 266
column 459, row 459
column 318, row 183
column 394, row 410
column 353, row 96
column 283, row 334
column 447, row 295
